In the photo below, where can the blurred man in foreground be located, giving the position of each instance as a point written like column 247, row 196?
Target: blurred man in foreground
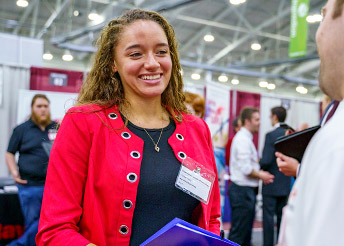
column 315, row 215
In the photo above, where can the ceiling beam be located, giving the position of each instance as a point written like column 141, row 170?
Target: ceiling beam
column 82, row 31
column 249, row 73
column 246, row 37
column 34, row 20
column 53, row 17
column 196, row 36
column 232, row 27
column 275, row 62
column 305, row 67
column 25, row 15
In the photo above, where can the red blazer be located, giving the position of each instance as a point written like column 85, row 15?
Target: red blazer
column 88, row 178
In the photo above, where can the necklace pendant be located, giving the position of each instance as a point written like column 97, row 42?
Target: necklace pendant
column 157, row 149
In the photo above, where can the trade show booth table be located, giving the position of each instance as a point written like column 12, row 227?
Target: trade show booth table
column 11, row 218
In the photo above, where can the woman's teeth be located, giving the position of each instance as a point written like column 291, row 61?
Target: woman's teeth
column 151, row 77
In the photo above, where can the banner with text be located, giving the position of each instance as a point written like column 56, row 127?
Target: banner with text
column 298, row 28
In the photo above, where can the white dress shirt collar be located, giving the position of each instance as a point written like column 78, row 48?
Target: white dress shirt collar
column 277, row 125
column 246, row 132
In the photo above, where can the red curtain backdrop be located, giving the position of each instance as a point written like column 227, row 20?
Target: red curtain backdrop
column 40, row 80
column 239, row 100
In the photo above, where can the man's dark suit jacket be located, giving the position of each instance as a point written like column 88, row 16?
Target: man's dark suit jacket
column 281, row 184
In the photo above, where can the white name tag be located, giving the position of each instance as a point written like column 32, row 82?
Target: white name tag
column 52, row 134
column 192, row 182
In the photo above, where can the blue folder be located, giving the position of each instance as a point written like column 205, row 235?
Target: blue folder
column 181, row 233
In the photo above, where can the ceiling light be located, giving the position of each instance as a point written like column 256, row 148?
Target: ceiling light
column 271, row 86
column 67, row 56
column 94, row 16
column 263, row 83
column 304, row 91
column 301, row 89
column 223, row 78
column 237, row 2
column 195, row 76
column 256, row 46
column 22, row 3
column 76, row 13
column 48, row 56
column 209, row 38
column 235, row 81
column 314, row 18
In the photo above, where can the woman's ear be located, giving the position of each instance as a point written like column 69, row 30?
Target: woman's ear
column 114, row 69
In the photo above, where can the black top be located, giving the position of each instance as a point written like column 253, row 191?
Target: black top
column 158, row 201
column 27, row 138
column 281, row 184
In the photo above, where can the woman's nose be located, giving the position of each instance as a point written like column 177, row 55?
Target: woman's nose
column 151, row 62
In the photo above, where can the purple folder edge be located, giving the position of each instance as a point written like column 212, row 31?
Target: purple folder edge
column 189, row 226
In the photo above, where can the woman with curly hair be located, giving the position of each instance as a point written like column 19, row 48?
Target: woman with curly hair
column 114, row 164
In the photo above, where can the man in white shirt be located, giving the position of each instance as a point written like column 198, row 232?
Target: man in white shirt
column 315, row 212
column 245, row 175
column 275, row 195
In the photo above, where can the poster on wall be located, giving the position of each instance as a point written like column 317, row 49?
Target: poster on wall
column 217, row 112
column 60, row 102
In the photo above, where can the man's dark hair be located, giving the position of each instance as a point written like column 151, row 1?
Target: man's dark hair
column 280, row 112
column 35, row 97
column 338, row 8
column 235, row 122
column 246, row 114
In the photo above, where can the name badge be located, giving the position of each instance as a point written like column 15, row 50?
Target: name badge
column 52, row 134
column 195, row 180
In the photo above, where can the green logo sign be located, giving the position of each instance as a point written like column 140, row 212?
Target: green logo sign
column 298, row 28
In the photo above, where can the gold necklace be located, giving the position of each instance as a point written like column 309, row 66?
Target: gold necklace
column 156, row 147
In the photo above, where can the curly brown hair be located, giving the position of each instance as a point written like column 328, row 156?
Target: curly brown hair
column 103, row 87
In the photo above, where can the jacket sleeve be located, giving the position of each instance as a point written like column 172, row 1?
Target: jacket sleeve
column 268, row 157
column 215, row 205
column 65, row 184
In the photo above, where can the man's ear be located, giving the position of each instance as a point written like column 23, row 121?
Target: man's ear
column 274, row 117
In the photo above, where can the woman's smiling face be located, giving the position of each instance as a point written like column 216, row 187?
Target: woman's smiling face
column 142, row 59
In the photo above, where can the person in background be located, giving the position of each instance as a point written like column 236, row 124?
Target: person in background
column 314, row 215
column 289, row 165
column 236, row 125
column 275, row 194
column 116, row 158
column 245, row 175
column 30, row 172
column 195, row 104
column 227, row 213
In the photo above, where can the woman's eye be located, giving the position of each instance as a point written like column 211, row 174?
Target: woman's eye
column 136, row 54
column 162, row 52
